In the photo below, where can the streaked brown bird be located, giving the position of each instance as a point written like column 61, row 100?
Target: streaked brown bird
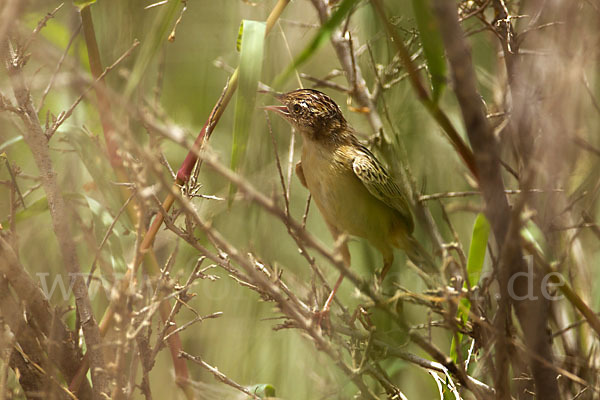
column 353, row 191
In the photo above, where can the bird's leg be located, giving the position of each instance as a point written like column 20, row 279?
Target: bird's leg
column 329, row 300
column 346, row 257
column 388, row 260
column 323, row 315
column 300, row 174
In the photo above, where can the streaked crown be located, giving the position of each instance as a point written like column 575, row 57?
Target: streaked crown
column 312, row 112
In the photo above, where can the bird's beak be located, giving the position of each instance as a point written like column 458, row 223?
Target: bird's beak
column 282, row 110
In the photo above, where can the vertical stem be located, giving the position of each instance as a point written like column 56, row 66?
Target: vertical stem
column 532, row 314
column 36, row 140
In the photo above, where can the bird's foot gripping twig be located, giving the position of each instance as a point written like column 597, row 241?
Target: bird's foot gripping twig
column 380, row 276
column 322, row 317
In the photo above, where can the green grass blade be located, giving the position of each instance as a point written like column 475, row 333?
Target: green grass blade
column 38, row 207
column 477, row 249
column 250, row 67
column 320, row 38
column 10, row 142
column 151, row 44
column 433, row 48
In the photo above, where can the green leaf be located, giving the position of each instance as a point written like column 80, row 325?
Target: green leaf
column 477, row 249
column 251, row 58
column 262, row 390
column 38, row 207
column 83, row 3
column 433, row 48
column 322, row 36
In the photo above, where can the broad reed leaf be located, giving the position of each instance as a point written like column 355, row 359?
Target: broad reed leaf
column 250, row 67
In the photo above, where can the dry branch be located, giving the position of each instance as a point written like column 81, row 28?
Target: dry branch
column 61, row 342
column 36, row 140
column 532, row 314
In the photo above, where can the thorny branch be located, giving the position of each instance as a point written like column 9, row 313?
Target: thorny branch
column 37, row 142
column 504, row 223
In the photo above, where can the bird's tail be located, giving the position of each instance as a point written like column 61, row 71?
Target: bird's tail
column 419, row 255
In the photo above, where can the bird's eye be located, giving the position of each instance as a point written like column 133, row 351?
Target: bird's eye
column 296, row 108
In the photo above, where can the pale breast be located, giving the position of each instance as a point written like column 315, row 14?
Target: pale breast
column 341, row 197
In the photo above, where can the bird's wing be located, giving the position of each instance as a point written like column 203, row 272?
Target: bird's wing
column 379, row 183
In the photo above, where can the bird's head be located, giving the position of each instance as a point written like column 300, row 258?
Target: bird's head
column 312, row 113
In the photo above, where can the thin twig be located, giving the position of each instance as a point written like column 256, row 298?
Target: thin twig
column 64, row 115
column 107, row 235
column 218, row 374
column 41, row 24
column 57, row 69
column 14, row 180
column 325, row 83
column 193, row 321
column 278, row 163
column 37, row 141
column 449, row 195
column 343, row 48
column 171, row 37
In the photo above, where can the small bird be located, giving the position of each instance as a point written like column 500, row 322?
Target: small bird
column 352, row 189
